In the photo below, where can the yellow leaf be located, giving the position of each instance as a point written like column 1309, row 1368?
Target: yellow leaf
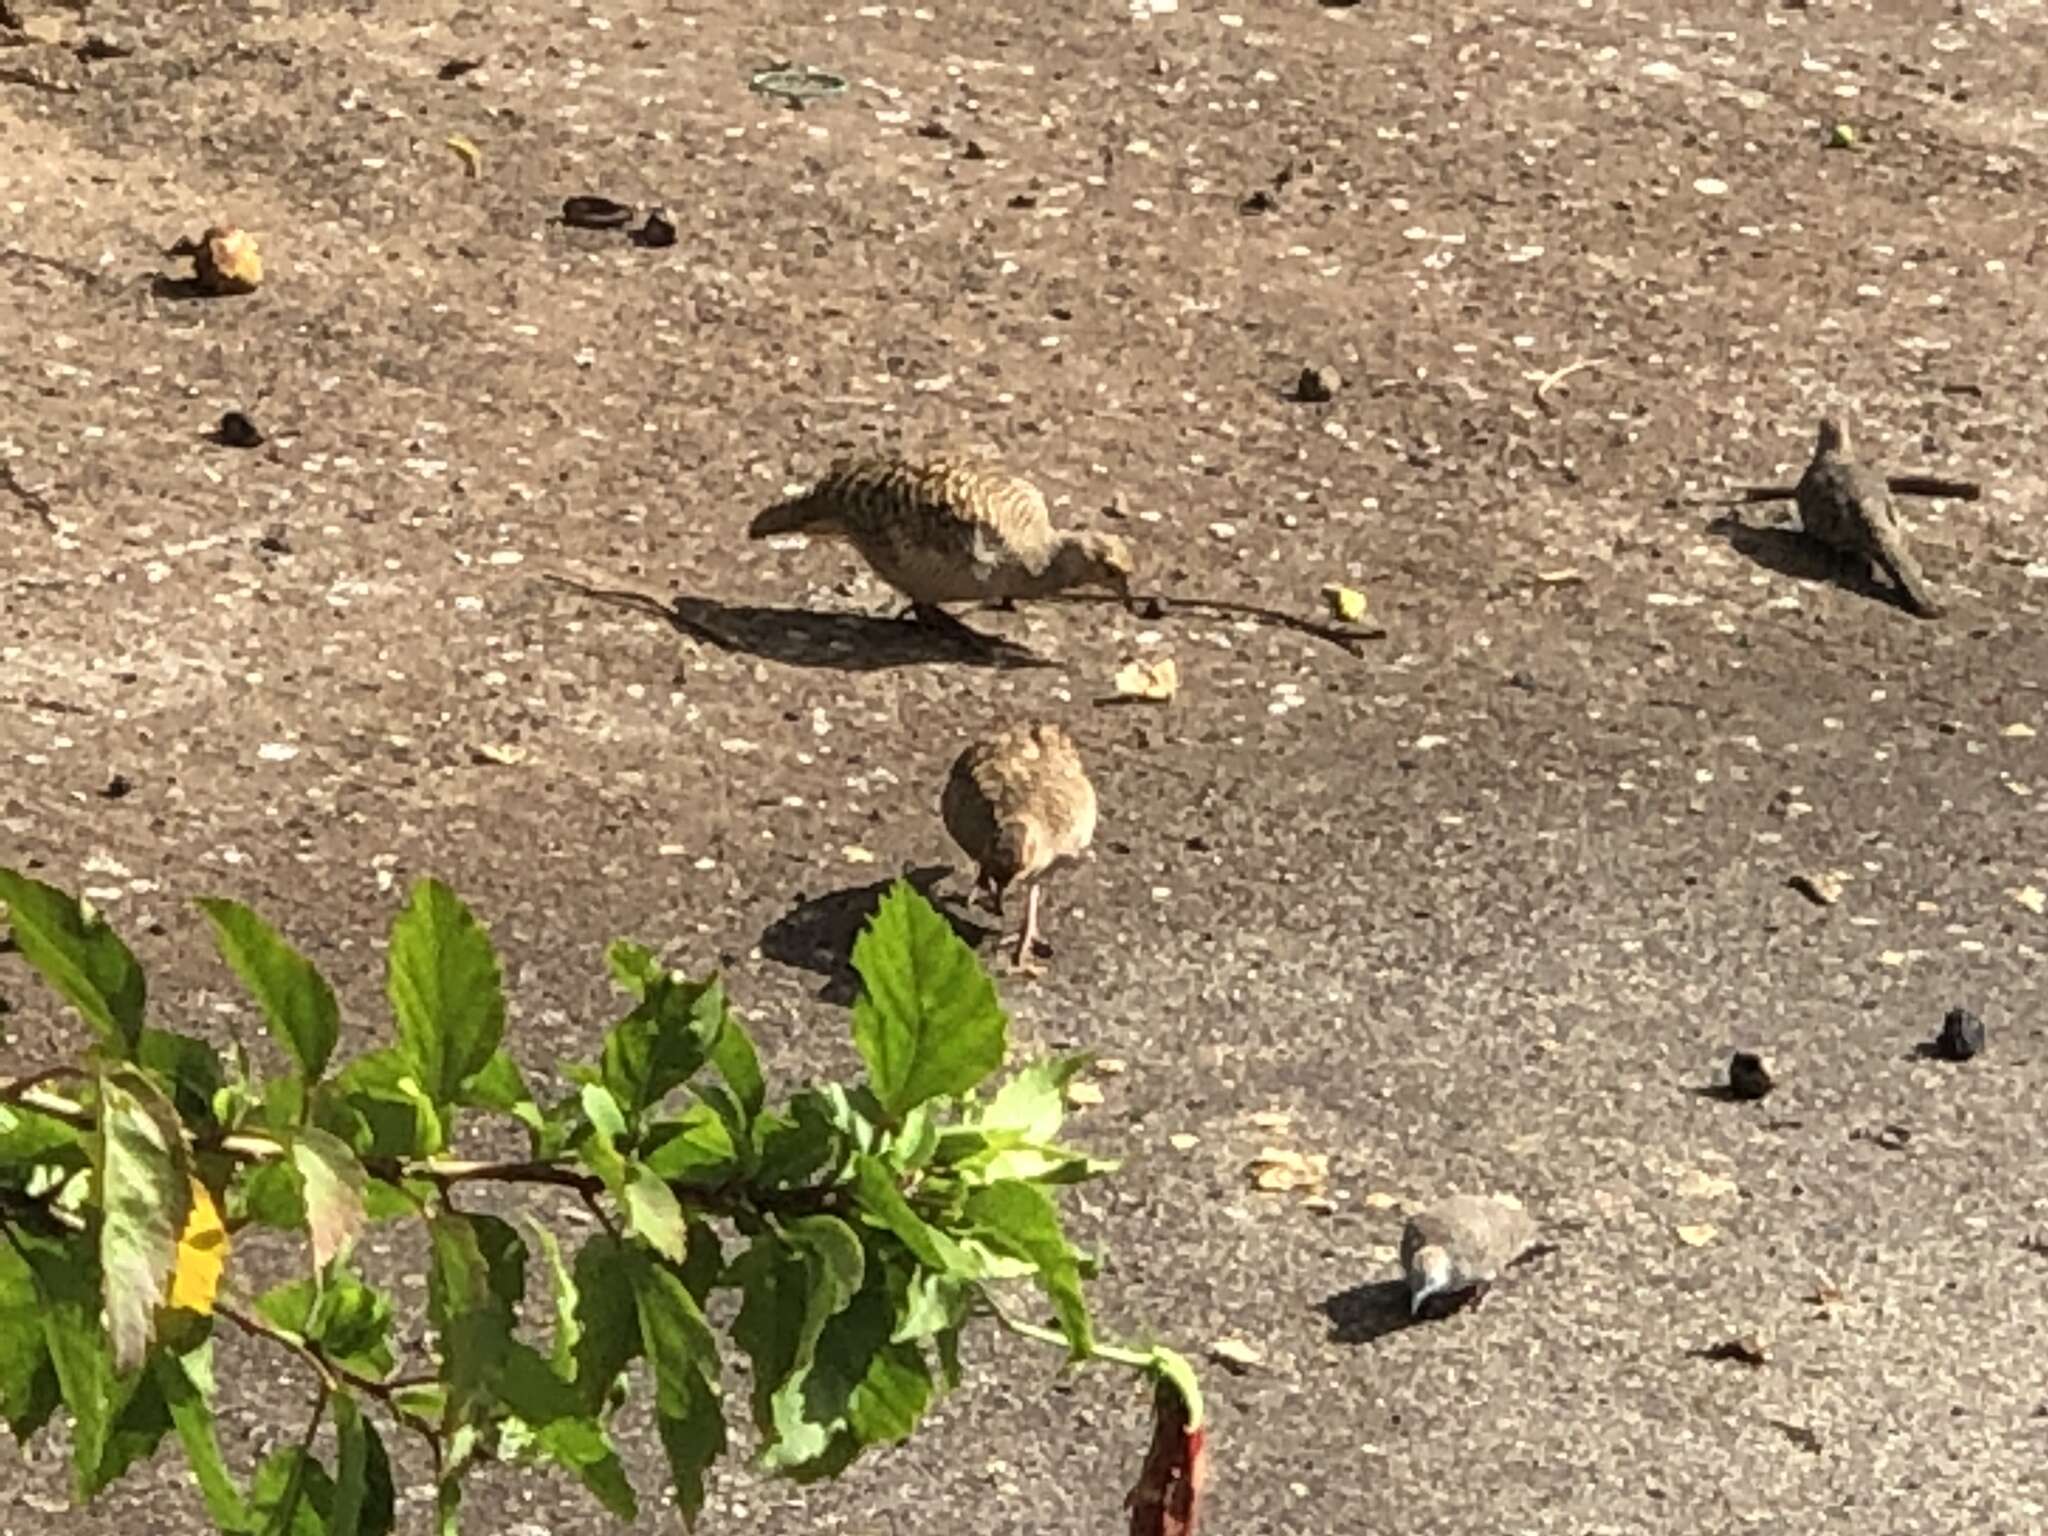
column 466, row 151
column 1157, row 680
column 202, row 1255
column 1346, row 603
column 1698, row 1236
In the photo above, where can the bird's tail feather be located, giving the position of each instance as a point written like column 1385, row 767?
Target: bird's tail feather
column 799, row 514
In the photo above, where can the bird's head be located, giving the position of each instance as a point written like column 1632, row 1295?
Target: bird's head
column 1098, row 560
column 1429, row 1274
column 1833, row 436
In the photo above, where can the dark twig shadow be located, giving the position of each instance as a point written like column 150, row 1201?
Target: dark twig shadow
column 185, row 290
column 801, row 637
column 817, row 934
column 1791, row 553
column 1367, row 1313
column 1348, row 638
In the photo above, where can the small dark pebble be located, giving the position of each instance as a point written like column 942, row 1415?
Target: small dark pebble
column 658, row 233
column 1317, row 385
column 1749, row 1078
column 117, row 786
column 595, row 213
column 934, row 130
column 1260, row 201
column 1961, row 1037
column 98, row 46
column 1023, row 200
column 455, row 69
column 238, row 431
column 276, row 540
column 973, row 151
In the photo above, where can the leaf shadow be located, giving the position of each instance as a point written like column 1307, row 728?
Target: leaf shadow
column 1789, row 552
column 817, row 933
column 802, row 637
column 1367, row 1313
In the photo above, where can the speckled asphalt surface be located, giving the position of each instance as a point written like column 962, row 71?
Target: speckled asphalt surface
column 1480, row 908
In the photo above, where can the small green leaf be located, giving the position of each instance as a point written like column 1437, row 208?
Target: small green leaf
column 365, row 1503
column 291, row 1495
column 684, row 1353
column 926, row 1022
column 476, row 1278
column 1020, row 1219
column 332, row 1182
column 738, row 1063
column 660, row 1045
column 796, row 1147
column 186, row 1384
column 298, row 1006
column 190, row 1067
column 501, row 1088
column 562, row 1357
column 607, row 1322
column 144, row 1195
column 29, row 1140
column 378, row 1105
column 1032, row 1105
column 694, row 1148
column 350, row 1321
column 28, row 1381
column 653, row 1213
column 445, row 990
column 1174, row 1369
column 79, row 955
column 882, row 1202
column 792, row 1283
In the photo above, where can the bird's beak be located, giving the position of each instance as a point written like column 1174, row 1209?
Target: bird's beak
column 1415, row 1300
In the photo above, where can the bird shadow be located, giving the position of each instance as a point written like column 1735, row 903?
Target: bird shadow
column 1789, row 552
column 802, row 637
column 1366, row 1313
column 817, row 934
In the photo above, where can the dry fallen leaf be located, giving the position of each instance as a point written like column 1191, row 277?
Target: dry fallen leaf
column 1236, row 1355
column 1698, row 1234
column 1182, row 1141
column 2031, row 897
column 504, row 754
column 1380, row 1200
column 1157, row 681
column 2019, row 730
column 226, row 260
column 1824, row 889
column 1271, row 1119
column 1346, row 603
column 1083, row 1095
column 1277, row 1169
column 1110, row 1066
column 466, row 151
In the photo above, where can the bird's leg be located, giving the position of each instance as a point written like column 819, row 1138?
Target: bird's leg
column 1479, row 1294
column 1027, row 941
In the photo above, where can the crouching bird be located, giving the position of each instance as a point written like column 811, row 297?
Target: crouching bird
column 1847, row 506
column 1452, row 1252
column 1017, row 802
column 947, row 531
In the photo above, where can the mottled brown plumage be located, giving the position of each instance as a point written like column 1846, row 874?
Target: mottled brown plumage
column 1017, row 802
column 948, row 531
column 1457, row 1248
column 1848, row 507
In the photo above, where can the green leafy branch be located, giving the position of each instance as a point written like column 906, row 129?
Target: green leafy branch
column 863, row 1227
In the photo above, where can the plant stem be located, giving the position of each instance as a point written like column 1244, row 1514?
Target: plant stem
column 1116, row 1354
